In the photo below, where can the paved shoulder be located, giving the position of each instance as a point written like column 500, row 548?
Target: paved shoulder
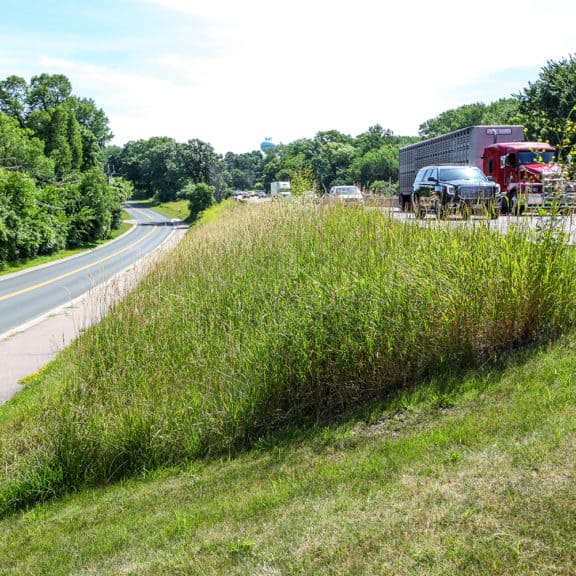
column 24, row 350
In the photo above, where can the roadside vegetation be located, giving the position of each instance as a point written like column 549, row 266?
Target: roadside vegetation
column 299, row 391
column 295, row 388
column 24, row 264
column 174, row 209
column 272, row 317
column 56, row 194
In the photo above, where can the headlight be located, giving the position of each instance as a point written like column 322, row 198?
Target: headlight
column 449, row 189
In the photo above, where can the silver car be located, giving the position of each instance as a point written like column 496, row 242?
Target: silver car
column 346, row 194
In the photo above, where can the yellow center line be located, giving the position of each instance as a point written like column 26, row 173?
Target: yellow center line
column 72, row 272
column 145, row 214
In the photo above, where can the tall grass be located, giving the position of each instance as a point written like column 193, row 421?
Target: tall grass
column 276, row 315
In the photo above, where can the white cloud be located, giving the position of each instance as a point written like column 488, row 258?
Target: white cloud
column 235, row 72
column 305, row 66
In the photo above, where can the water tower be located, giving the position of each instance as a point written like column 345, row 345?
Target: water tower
column 267, row 145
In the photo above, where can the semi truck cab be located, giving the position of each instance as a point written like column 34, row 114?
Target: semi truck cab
column 526, row 172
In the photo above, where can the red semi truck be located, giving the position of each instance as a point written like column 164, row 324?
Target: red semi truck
column 525, row 171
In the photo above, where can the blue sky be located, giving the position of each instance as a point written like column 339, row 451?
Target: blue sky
column 232, row 73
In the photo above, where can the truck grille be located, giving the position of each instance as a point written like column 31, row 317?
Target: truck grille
column 476, row 192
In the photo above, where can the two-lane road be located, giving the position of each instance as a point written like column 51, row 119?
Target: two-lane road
column 28, row 295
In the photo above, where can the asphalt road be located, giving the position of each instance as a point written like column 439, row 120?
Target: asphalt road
column 27, row 295
column 564, row 224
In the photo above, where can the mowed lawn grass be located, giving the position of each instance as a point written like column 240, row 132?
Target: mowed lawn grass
column 309, row 390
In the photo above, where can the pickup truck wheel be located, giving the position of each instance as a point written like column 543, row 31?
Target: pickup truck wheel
column 492, row 211
column 419, row 212
column 438, row 208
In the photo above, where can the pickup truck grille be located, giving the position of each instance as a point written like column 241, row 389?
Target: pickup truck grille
column 476, row 192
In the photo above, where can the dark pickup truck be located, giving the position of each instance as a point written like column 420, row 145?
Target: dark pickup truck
column 446, row 189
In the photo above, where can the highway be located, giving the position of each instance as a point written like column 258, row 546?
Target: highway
column 27, row 295
column 564, row 224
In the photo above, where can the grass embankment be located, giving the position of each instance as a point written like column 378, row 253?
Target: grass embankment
column 277, row 316
column 472, row 475
column 177, row 209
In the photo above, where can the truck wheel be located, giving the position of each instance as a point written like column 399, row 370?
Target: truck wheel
column 437, row 207
column 515, row 207
column 492, row 211
column 419, row 212
column 504, row 205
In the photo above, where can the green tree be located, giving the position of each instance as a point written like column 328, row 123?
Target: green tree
column 245, row 169
column 461, row 117
column 121, row 188
column 197, row 158
column 92, row 119
column 92, row 208
column 303, row 181
column 327, row 136
column 47, row 91
column 94, row 130
column 339, row 156
column 503, row 111
column 20, row 150
column 14, row 98
column 166, row 169
column 373, row 139
column 134, row 163
column 547, row 105
column 52, row 221
column 40, row 107
column 375, row 165
column 62, row 135
column 161, row 167
column 335, row 154
column 200, row 197
column 20, row 237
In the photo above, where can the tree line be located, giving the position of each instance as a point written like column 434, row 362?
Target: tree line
column 61, row 183
column 54, row 192
column 168, row 170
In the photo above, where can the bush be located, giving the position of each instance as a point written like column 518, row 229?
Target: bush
column 200, row 197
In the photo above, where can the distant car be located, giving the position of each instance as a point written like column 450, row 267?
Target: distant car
column 447, row 188
column 346, row 194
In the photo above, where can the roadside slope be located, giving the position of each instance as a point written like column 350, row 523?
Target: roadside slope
column 469, row 476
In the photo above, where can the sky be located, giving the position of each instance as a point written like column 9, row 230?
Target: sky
column 232, row 73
